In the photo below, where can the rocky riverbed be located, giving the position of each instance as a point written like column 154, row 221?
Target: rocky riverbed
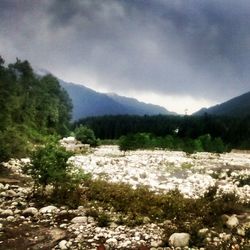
column 27, row 224
column 162, row 170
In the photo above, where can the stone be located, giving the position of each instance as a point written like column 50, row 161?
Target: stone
column 30, row 211
column 203, row 232
column 80, row 219
column 112, row 242
column 10, row 193
column 126, row 243
column 216, row 239
column 232, row 222
column 156, row 243
column 241, row 231
column 91, row 219
column 246, row 225
column 7, row 212
column 10, row 218
column 63, row 245
column 179, row 239
column 113, row 225
column 48, row 209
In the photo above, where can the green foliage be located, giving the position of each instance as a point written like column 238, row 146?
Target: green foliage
column 186, row 214
column 31, row 107
column 134, row 141
column 103, row 219
column 49, row 166
column 234, row 132
column 86, row 136
column 148, row 141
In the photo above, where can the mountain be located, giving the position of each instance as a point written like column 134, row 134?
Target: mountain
column 238, row 107
column 87, row 102
column 133, row 106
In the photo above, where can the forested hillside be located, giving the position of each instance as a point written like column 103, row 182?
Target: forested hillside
column 31, row 108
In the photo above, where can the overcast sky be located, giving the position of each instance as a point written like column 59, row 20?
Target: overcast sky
column 181, row 54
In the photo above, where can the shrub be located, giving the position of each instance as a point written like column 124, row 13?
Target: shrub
column 86, row 136
column 135, row 141
column 188, row 145
column 49, row 166
column 103, row 219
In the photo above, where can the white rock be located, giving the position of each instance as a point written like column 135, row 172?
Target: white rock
column 80, row 219
column 126, row 243
column 63, row 245
column 10, row 218
column 30, row 211
column 203, row 232
column 7, row 212
column 10, row 193
column 179, row 239
column 112, row 242
column 156, row 243
column 48, row 209
column 91, row 219
column 232, row 222
column 241, row 231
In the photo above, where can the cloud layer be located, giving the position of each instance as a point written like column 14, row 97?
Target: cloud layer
column 194, row 48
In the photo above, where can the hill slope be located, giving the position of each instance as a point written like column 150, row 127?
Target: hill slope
column 238, row 107
column 87, row 102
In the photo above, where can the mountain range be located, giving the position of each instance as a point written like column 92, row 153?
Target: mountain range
column 236, row 107
column 87, row 102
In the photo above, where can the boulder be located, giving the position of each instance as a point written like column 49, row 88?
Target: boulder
column 63, row 245
column 10, row 193
column 232, row 222
column 112, row 242
column 179, row 240
column 7, row 212
column 80, row 219
column 30, row 211
column 203, row 232
column 241, row 231
column 48, row 209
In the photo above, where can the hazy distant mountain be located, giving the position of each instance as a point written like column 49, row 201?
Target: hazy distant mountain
column 238, row 106
column 87, row 102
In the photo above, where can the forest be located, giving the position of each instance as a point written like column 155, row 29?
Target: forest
column 32, row 107
column 233, row 132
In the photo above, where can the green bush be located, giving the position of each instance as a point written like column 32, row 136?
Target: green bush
column 103, row 219
column 86, row 136
column 188, row 145
column 135, row 141
column 49, row 166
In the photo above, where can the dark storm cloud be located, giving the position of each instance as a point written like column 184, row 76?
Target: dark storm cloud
column 187, row 47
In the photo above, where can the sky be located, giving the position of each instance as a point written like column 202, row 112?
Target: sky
column 180, row 54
